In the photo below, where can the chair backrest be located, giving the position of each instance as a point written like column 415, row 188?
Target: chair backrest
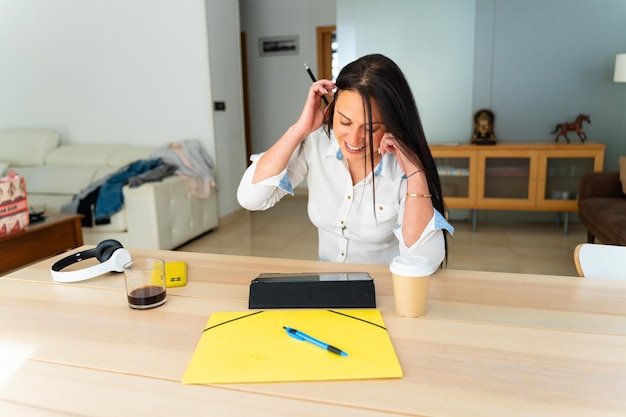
column 600, row 261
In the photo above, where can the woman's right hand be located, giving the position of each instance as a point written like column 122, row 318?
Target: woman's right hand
column 276, row 158
column 312, row 115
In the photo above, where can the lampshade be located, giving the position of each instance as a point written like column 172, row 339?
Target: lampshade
column 620, row 69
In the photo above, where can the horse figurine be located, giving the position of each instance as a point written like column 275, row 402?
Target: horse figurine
column 575, row 126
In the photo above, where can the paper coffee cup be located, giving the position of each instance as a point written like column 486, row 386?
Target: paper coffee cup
column 411, row 279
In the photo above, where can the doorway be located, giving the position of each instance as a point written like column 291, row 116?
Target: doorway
column 327, row 55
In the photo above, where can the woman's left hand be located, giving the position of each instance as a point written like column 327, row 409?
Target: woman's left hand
column 388, row 144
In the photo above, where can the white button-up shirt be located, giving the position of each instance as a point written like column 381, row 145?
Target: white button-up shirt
column 355, row 223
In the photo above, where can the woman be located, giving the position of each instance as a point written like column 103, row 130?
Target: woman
column 374, row 191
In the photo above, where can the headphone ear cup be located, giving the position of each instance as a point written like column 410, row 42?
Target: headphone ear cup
column 105, row 249
column 119, row 258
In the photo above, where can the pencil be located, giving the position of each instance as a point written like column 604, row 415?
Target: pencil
column 313, row 79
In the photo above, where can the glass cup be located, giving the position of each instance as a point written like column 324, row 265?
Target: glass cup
column 411, row 279
column 145, row 283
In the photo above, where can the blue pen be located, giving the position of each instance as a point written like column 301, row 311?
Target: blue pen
column 297, row 334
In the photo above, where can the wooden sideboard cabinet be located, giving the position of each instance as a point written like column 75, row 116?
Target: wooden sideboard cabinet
column 515, row 176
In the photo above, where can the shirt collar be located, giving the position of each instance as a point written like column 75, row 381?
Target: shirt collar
column 333, row 148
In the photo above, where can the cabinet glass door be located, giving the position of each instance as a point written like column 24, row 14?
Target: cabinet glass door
column 563, row 176
column 507, row 178
column 454, row 174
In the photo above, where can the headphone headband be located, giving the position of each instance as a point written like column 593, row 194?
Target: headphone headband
column 110, row 253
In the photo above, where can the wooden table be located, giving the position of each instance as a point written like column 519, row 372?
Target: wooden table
column 56, row 234
column 492, row 344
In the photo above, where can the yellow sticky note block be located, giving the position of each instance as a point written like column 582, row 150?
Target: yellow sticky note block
column 175, row 274
column 252, row 346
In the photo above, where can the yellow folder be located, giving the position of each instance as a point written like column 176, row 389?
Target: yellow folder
column 253, row 346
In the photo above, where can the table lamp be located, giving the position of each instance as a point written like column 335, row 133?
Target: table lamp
column 620, row 69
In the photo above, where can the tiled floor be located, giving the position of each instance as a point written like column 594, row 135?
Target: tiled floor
column 285, row 232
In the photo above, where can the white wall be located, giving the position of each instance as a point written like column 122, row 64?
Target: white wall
column 106, row 71
column 279, row 84
column 432, row 42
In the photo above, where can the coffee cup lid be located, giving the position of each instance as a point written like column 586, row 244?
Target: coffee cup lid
column 411, row 266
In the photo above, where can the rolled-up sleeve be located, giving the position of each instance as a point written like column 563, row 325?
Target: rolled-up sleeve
column 265, row 194
column 431, row 243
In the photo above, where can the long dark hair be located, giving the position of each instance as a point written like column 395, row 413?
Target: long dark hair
column 376, row 77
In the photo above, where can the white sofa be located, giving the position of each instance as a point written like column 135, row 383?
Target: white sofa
column 155, row 215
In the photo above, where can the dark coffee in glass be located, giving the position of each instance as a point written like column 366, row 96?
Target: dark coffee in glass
column 147, row 297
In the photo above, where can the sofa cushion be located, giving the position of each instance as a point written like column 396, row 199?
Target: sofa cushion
column 104, row 171
column 80, row 154
column 126, row 154
column 57, row 179
column 27, row 147
column 622, row 172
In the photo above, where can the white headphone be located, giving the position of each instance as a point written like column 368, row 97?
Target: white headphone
column 110, row 253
